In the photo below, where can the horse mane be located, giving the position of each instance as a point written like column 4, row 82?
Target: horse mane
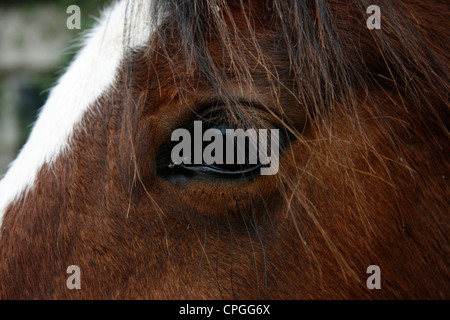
column 331, row 52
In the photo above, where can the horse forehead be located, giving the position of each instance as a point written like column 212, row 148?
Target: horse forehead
column 123, row 27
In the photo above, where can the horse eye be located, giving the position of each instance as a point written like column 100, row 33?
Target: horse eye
column 217, row 151
column 244, row 168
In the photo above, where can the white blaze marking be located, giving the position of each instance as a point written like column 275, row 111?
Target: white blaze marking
column 123, row 27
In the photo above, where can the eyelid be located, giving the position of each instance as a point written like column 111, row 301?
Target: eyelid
column 216, row 170
column 214, row 105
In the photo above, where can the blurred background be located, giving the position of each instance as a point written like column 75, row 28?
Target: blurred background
column 35, row 48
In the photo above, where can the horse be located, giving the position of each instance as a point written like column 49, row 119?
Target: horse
column 362, row 182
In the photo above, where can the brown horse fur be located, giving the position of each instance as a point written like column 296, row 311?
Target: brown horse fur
column 362, row 182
